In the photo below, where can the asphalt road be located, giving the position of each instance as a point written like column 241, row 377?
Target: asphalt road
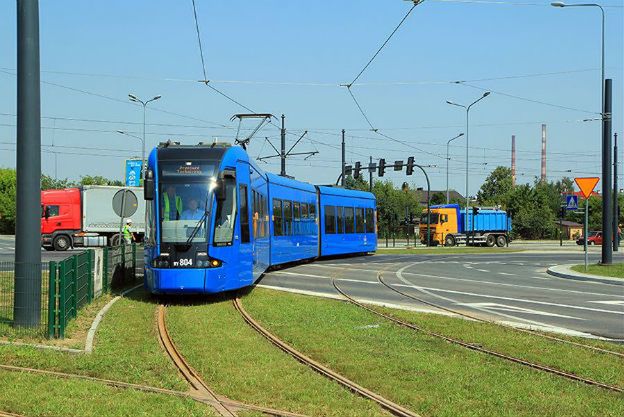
column 510, row 287
column 7, row 251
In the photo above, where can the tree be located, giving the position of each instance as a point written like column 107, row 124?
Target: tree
column 49, row 183
column 356, row 184
column 496, row 188
column 437, row 198
column 99, row 180
column 8, row 186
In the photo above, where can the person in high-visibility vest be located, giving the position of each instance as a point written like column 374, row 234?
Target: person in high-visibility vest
column 171, row 200
column 127, row 233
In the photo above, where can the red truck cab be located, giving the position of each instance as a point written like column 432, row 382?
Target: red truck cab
column 60, row 217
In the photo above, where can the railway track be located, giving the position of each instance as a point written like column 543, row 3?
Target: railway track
column 388, row 405
column 482, row 320
column 200, row 390
column 477, row 348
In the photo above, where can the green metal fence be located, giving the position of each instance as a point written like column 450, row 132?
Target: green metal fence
column 120, row 265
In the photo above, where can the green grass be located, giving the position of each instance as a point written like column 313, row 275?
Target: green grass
column 425, row 374
column 583, row 362
column 240, row 364
column 126, row 348
column 443, row 250
column 614, row 270
column 39, row 395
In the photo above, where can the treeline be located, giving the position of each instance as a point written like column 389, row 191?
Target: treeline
column 8, row 192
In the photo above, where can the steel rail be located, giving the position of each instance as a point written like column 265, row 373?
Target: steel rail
column 477, row 318
column 390, row 406
column 223, row 405
column 478, row 348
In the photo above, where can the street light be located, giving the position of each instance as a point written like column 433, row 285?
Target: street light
column 606, row 141
column 447, row 164
column 135, row 99
column 487, row 93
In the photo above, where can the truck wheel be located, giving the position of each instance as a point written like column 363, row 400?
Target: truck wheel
column 490, row 241
column 61, row 243
column 501, row 241
column 449, row 240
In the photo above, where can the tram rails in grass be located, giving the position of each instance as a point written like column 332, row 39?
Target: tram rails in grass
column 474, row 347
column 388, row 405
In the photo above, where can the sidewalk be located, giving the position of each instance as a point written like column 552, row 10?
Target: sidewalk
column 565, row 271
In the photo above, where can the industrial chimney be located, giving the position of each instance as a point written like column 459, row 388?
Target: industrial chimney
column 513, row 160
column 543, row 153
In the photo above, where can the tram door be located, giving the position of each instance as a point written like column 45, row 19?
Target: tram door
column 244, row 236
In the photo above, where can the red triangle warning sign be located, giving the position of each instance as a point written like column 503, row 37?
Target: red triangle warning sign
column 586, row 185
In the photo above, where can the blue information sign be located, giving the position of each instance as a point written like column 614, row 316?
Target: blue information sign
column 572, row 202
column 133, row 172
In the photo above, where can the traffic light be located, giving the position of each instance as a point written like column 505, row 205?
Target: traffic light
column 398, row 165
column 356, row 172
column 562, row 213
column 382, row 167
column 410, row 166
column 347, row 170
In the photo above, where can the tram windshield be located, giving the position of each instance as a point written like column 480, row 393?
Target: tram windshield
column 185, row 201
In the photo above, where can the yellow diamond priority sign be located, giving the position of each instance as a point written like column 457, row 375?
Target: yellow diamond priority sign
column 586, row 185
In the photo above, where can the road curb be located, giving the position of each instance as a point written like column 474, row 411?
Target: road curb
column 565, row 271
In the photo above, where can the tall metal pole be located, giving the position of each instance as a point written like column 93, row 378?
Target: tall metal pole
column 585, row 232
column 370, row 175
column 616, row 201
column 607, row 221
column 283, row 148
column 143, row 144
column 27, row 290
column 428, row 204
column 447, row 164
column 342, row 182
column 467, row 198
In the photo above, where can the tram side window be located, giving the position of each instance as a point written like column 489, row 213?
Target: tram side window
column 312, row 211
column 264, row 219
column 360, row 226
column 370, row 221
column 287, row 218
column 244, row 216
column 296, row 218
column 226, row 215
column 349, row 220
column 277, row 217
column 340, row 220
column 330, row 220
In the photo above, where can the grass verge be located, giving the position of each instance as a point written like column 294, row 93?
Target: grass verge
column 614, row 270
column 240, row 364
column 126, row 348
column 442, row 250
column 425, row 374
column 39, row 395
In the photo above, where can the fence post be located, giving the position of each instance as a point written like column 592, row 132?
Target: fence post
column 105, row 270
column 62, row 311
column 51, row 298
column 134, row 253
column 74, row 283
column 123, row 261
column 91, row 275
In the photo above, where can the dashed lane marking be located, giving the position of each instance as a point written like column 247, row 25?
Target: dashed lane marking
column 609, row 302
column 507, row 274
column 514, row 309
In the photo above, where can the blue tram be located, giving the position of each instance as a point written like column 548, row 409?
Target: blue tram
column 215, row 221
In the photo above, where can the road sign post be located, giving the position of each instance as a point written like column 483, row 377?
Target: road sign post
column 586, row 185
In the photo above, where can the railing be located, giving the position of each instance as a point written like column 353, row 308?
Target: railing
column 66, row 287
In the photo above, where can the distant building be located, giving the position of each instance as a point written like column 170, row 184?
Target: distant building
column 454, row 196
column 571, row 230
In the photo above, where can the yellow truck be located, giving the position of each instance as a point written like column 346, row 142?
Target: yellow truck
column 448, row 226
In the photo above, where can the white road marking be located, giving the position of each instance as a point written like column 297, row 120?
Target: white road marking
column 506, row 273
column 610, row 302
column 483, row 270
column 324, row 277
column 467, row 266
column 520, row 300
column 514, row 309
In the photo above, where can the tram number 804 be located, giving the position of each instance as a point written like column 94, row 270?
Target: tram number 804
column 183, row 262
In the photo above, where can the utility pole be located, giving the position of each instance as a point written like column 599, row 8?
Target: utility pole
column 342, row 182
column 607, row 221
column 27, row 293
column 370, row 174
column 616, row 209
column 283, row 148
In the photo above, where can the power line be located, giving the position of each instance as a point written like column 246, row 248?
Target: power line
column 201, row 51
column 416, row 3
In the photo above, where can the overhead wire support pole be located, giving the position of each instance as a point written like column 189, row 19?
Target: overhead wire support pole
column 27, row 289
column 616, row 208
column 296, row 143
column 283, row 147
column 342, row 182
column 607, row 221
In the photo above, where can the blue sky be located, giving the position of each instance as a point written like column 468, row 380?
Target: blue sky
column 290, row 57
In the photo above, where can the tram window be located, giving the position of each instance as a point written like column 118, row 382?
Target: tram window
column 304, row 211
column 277, row 217
column 264, row 210
column 340, row 219
column 360, row 227
column 330, row 220
column 312, row 211
column 226, row 215
column 370, row 221
column 349, row 220
column 296, row 211
column 244, row 216
column 287, row 218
